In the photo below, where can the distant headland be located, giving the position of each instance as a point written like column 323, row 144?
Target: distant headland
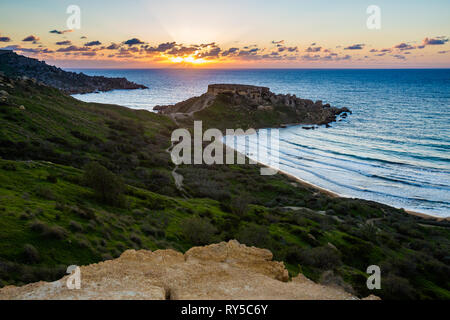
column 245, row 106
column 14, row 65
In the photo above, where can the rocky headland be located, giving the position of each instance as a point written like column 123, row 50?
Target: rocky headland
column 226, row 271
column 18, row 66
column 258, row 105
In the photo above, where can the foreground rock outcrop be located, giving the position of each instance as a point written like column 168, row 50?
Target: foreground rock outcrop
column 220, row 271
column 14, row 65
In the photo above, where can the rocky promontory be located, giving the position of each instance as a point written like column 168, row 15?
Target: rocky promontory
column 226, row 271
column 252, row 106
column 18, row 66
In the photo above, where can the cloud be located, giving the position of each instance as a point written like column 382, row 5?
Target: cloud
column 399, row 56
column 64, row 43
column 181, row 51
column 288, row 49
column 434, row 41
column 230, row 51
column 5, row 39
column 89, row 54
column 133, row 41
column 443, row 52
column 313, row 49
column 248, row 52
column 60, row 32
column 31, row 39
column 73, row 49
column 213, row 53
column 113, row 46
column 404, row 46
column 359, row 46
column 18, row 48
column 92, row 43
column 162, row 47
column 329, row 57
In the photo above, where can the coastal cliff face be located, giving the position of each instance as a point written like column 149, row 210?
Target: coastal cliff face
column 14, row 65
column 252, row 106
column 219, row 271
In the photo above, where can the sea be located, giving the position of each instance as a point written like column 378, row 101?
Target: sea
column 394, row 148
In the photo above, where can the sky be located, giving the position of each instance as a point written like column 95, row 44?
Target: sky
column 230, row 34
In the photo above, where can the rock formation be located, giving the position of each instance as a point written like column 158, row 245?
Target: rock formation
column 255, row 99
column 220, row 271
column 14, row 65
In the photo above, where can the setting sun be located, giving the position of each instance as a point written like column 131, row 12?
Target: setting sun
column 188, row 59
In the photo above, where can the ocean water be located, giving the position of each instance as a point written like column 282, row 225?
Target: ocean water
column 394, row 148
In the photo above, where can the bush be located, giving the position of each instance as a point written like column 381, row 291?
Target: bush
column 328, row 278
column 52, row 178
column 396, row 288
column 38, row 226
column 254, row 235
column 31, row 255
column 75, row 226
column 324, row 258
column 52, row 232
column 56, row 232
column 198, row 231
column 107, row 186
column 152, row 231
column 9, row 166
column 239, row 205
column 136, row 239
column 44, row 192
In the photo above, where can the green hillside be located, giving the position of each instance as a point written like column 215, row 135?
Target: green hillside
column 82, row 182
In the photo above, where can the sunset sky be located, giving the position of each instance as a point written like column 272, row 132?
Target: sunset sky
column 229, row 33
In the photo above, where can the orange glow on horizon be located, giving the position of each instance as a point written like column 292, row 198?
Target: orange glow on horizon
column 191, row 59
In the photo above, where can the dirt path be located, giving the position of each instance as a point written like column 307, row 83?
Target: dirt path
column 178, row 178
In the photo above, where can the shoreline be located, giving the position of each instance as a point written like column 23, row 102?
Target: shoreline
column 336, row 195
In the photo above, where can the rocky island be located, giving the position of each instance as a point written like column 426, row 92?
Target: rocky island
column 237, row 105
column 14, row 65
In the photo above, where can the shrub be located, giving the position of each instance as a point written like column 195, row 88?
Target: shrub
column 198, row 231
column 31, row 255
column 107, row 186
column 239, row 205
column 328, row 278
column 324, row 258
column 52, row 232
column 44, row 192
column 254, row 235
column 152, row 231
column 38, row 226
column 136, row 239
column 396, row 288
column 75, row 226
column 9, row 166
column 56, row 232
column 52, row 178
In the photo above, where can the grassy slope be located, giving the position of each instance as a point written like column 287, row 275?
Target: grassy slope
column 44, row 203
column 225, row 114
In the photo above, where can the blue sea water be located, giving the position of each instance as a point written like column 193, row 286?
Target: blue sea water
column 394, row 148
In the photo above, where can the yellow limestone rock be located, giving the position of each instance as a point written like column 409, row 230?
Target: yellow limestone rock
column 219, row 271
